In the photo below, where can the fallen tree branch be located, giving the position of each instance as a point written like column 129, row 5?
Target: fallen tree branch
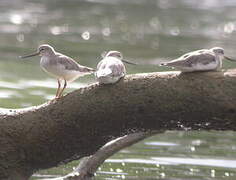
column 89, row 165
column 83, row 121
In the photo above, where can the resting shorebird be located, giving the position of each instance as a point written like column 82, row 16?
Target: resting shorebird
column 60, row 66
column 201, row 60
column 111, row 68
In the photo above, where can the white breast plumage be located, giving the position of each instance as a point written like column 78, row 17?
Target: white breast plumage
column 110, row 70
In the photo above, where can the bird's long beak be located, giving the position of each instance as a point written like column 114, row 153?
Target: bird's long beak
column 35, row 54
column 229, row 58
column 128, row 62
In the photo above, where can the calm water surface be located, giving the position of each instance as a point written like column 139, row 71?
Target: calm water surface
column 146, row 31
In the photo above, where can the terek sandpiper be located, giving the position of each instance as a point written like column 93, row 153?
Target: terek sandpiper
column 111, row 68
column 200, row 60
column 60, row 66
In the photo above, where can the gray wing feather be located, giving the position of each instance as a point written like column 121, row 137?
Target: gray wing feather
column 71, row 64
column 197, row 57
column 118, row 70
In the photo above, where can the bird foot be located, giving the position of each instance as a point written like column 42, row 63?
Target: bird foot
column 54, row 100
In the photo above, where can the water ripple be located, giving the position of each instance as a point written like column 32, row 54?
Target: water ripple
column 196, row 161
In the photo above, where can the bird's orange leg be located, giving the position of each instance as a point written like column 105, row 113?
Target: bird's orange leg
column 65, row 84
column 58, row 88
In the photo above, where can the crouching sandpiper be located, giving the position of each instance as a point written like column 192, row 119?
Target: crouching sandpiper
column 111, row 68
column 60, row 66
column 200, row 60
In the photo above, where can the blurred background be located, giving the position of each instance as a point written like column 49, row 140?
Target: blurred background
column 145, row 31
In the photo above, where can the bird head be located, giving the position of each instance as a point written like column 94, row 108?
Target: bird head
column 220, row 52
column 115, row 54
column 43, row 50
column 118, row 55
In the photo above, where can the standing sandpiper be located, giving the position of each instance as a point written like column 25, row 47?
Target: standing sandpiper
column 111, row 68
column 60, row 66
column 200, row 60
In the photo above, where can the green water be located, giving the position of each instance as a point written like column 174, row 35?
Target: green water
column 145, row 31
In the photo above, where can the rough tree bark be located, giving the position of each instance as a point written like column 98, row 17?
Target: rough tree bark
column 81, row 122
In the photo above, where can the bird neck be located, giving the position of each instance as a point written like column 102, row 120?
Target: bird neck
column 49, row 54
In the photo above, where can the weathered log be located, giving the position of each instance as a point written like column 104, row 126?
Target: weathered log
column 83, row 121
